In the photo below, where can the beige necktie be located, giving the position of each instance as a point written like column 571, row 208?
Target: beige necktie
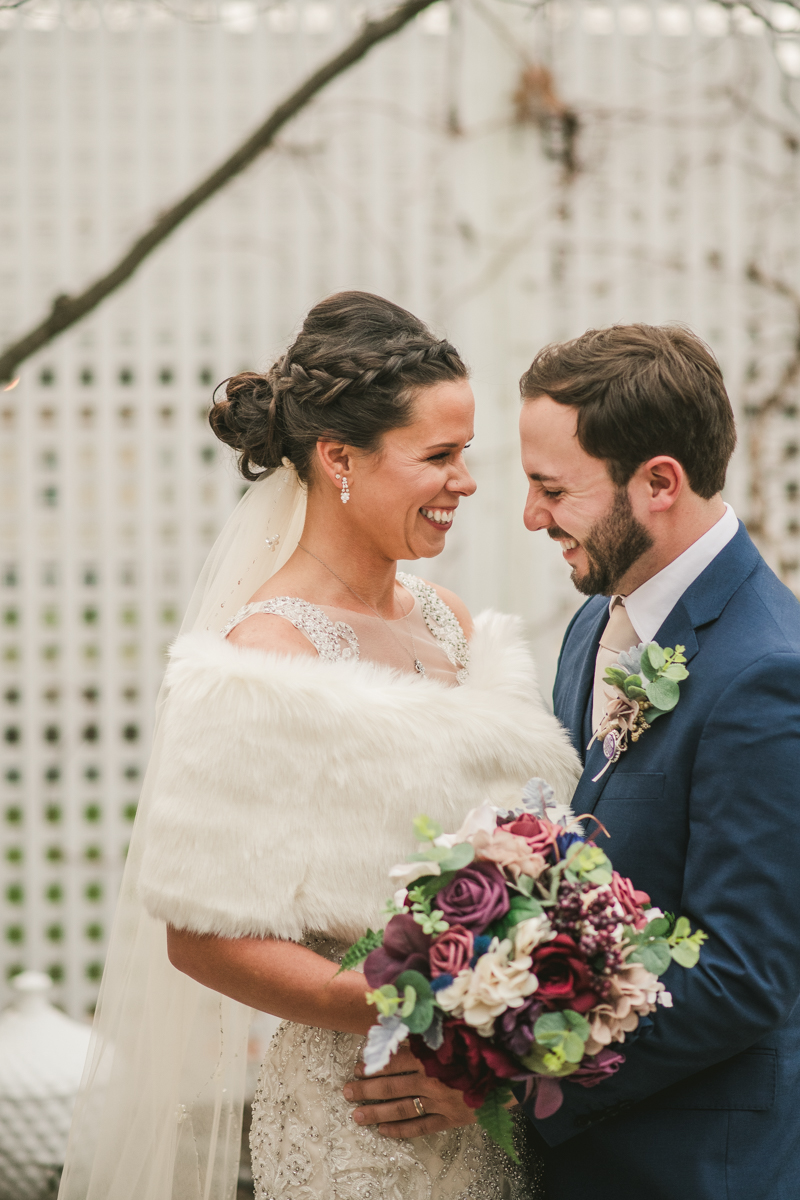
column 617, row 636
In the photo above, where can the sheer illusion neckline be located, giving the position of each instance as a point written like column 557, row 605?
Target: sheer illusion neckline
column 341, row 633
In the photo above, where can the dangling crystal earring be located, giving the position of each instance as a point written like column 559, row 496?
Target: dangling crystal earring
column 345, row 491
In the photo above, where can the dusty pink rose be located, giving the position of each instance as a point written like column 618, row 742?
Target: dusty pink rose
column 451, row 952
column 509, row 852
column 631, row 901
column 539, row 834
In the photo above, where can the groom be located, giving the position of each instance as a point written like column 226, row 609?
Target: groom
column 626, row 436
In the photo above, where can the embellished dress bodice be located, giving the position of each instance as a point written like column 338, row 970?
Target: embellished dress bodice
column 429, row 632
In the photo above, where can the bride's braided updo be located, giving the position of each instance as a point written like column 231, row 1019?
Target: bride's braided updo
column 350, row 376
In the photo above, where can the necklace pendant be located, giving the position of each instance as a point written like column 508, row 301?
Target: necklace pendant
column 418, row 667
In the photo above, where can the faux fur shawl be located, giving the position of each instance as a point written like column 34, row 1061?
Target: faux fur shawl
column 288, row 786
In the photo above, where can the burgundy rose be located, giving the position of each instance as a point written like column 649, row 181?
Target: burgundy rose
column 565, row 981
column 514, row 1028
column 540, row 835
column 405, row 948
column 632, row 901
column 451, row 951
column 594, row 1070
column 465, row 1061
column 476, row 897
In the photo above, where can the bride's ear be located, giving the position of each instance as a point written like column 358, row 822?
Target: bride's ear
column 334, row 461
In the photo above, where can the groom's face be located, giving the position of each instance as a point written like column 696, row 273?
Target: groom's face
column 573, row 497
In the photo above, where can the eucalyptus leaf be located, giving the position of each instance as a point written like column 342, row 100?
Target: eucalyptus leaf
column 663, row 693
column 577, row 1023
column 434, row 854
column 460, row 856
column 676, row 671
column 646, row 668
column 573, row 1047
column 616, row 676
column 657, row 928
column 654, row 956
column 417, row 981
column 425, row 830
column 548, row 1024
column 686, row 953
column 682, row 929
column 633, row 681
column 635, row 693
column 656, row 656
column 653, row 714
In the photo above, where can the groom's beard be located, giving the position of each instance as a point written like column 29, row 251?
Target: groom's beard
column 612, row 546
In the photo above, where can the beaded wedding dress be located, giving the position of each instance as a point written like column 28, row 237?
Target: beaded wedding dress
column 279, row 793
column 304, row 1142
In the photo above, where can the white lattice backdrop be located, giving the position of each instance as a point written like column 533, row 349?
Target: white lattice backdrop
column 649, row 171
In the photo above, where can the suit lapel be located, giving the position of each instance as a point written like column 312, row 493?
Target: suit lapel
column 575, row 678
column 702, row 602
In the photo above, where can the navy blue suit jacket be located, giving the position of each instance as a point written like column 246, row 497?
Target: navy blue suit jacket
column 703, row 813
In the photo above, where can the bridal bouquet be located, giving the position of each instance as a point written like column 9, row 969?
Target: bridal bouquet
column 515, row 953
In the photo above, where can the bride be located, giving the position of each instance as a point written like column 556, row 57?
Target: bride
column 318, row 701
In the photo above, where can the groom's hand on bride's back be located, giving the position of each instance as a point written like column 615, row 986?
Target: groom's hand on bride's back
column 387, row 1100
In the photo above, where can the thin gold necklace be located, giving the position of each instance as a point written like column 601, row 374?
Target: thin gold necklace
column 418, row 667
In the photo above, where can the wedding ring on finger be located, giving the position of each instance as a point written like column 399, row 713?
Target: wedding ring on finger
column 420, row 1107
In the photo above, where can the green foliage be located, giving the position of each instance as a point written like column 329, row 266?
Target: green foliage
column 653, row 955
column 495, row 1118
column 417, row 1010
column 425, row 890
column 426, row 830
column 685, row 945
column 521, row 908
column 589, row 865
column 431, row 922
column 664, row 940
column 460, row 856
column 386, row 999
column 542, row 1061
column 360, row 949
column 663, row 693
column 562, row 1038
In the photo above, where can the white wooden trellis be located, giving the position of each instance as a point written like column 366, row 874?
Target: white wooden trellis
column 411, row 177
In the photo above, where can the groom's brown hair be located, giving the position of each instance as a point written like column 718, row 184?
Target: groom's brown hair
column 640, row 391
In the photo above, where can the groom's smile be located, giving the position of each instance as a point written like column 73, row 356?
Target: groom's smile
column 573, row 497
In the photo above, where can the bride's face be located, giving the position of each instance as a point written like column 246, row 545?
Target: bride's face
column 404, row 497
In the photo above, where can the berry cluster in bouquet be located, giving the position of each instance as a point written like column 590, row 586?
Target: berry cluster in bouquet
column 515, row 953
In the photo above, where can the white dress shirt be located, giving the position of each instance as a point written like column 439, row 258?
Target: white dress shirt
column 649, row 605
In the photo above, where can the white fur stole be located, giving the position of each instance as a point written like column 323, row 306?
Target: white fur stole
column 287, row 786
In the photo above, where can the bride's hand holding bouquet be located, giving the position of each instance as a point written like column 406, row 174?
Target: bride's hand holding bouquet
column 514, row 953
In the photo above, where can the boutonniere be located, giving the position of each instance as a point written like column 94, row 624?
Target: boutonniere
column 643, row 684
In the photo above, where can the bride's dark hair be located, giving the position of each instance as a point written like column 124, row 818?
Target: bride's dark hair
column 350, row 376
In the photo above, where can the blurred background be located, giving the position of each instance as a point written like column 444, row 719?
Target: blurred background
column 513, row 171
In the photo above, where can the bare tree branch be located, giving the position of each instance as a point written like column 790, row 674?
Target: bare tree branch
column 68, row 310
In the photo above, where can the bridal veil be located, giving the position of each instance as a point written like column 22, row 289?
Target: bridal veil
column 159, row 1112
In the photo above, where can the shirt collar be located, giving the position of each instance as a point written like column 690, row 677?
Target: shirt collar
column 650, row 604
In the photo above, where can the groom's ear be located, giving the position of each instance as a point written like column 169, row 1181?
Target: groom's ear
column 662, row 479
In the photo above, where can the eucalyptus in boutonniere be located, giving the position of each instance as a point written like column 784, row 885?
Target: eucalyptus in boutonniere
column 643, row 684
